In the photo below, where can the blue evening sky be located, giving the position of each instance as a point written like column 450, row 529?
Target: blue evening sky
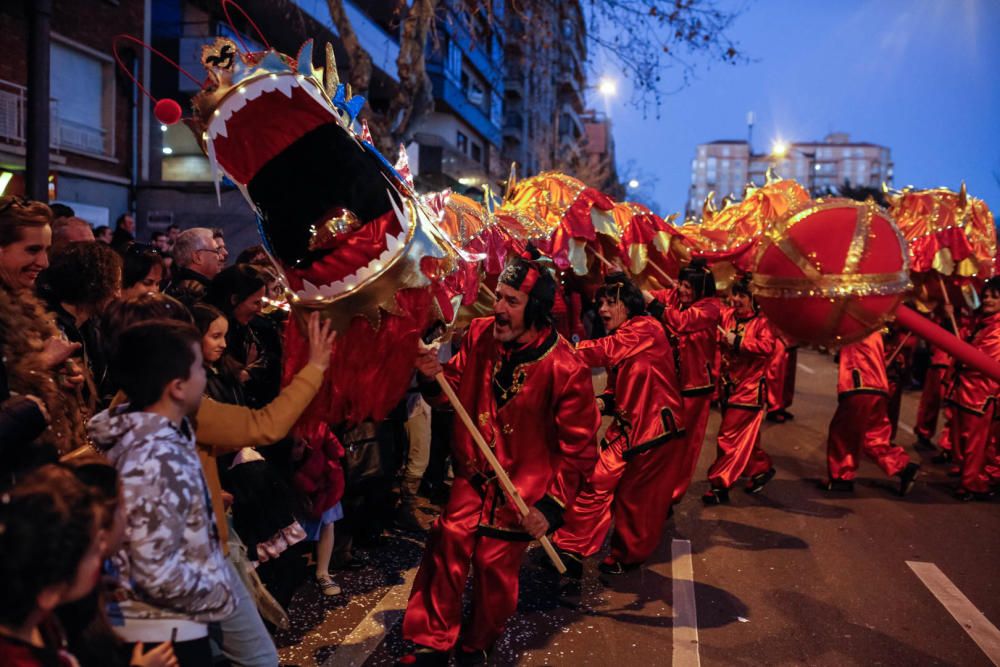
column 921, row 77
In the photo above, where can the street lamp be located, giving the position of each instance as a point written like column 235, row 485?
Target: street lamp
column 607, row 87
column 634, row 184
column 780, row 150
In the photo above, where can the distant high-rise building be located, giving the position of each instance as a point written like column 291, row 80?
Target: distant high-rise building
column 544, row 106
column 726, row 166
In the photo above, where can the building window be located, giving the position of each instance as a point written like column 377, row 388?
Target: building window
column 462, row 142
column 83, row 87
column 454, row 60
column 477, row 152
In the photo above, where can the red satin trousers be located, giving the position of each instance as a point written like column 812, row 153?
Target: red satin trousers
column 696, row 412
column 636, row 493
column 739, row 450
column 434, row 613
column 861, row 424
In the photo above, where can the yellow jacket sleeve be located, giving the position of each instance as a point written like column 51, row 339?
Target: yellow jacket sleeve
column 223, row 428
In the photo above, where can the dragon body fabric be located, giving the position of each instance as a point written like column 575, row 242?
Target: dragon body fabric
column 355, row 241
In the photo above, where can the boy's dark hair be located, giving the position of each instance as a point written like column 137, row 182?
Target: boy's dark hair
column 47, row 524
column 618, row 287
column 84, row 272
column 150, row 355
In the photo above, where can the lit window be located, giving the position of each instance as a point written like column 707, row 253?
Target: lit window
column 462, row 142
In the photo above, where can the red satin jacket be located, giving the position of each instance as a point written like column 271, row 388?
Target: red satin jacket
column 973, row 390
column 862, row 367
column 535, row 407
column 744, row 366
column 642, row 385
column 697, row 334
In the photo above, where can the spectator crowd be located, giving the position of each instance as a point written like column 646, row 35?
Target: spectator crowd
column 157, row 504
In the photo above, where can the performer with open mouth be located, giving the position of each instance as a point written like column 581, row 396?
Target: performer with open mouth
column 533, row 401
column 642, row 458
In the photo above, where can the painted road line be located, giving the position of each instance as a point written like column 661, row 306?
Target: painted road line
column 805, row 368
column 906, row 428
column 369, row 633
column 973, row 621
column 685, row 628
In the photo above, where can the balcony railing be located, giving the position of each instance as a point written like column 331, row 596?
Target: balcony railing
column 64, row 133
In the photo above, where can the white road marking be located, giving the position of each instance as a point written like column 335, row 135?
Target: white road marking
column 685, row 628
column 369, row 633
column 973, row 621
column 805, row 368
column 906, row 428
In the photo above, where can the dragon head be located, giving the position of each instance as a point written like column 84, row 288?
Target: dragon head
column 342, row 221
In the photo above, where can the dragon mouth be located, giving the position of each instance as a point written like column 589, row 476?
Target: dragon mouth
column 306, row 174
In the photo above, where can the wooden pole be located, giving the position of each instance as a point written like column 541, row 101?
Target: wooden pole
column 604, row 260
column 508, row 486
column 898, row 349
column 947, row 300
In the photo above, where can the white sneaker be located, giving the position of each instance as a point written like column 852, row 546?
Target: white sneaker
column 327, row 586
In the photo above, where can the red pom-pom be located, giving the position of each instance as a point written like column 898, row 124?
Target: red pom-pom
column 167, row 111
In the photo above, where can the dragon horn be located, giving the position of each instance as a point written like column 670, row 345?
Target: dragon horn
column 331, row 78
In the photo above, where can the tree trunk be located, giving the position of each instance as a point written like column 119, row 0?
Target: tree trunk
column 413, row 98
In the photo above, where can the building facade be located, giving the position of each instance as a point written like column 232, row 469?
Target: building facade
column 725, row 167
column 96, row 124
column 544, row 102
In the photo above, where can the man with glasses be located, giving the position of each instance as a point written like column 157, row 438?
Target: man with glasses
column 197, row 260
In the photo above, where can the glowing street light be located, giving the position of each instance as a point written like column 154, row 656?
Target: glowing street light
column 779, row 149
column 633, row 184
column 607, row 87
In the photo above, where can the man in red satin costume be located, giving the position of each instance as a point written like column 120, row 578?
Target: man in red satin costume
column 692, row 314
column 861, row 422
column 642, row 457
column 747, row 347
column 533, row 401
column 974, row 396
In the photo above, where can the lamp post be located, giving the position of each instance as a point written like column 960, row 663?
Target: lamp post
column 780, row 150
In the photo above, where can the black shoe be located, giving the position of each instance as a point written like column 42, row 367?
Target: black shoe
column 787, row 415
column 944, row 457
column 424, row 657
column 465, row 658
column 757, row 482
column 967, row 496
column 925, row 444
column 839, row 485
column 613, row 567
column 776, row 416
column 715, row 496
column 907, row 477
column 572, row 560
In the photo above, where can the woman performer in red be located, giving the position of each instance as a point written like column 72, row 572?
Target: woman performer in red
column 861, row 422
column 642, row 458
column 974, row 396
column 747, row 346
column 692, row 314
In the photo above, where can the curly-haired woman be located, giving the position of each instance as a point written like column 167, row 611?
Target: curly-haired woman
column 35, row 371
column 81, row 280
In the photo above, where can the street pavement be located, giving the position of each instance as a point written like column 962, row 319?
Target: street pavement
column 793, row 576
